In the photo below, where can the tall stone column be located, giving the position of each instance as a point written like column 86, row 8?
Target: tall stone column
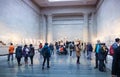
column 92, row 31
column 44, row 29
column 49, row 29
column 85, row 28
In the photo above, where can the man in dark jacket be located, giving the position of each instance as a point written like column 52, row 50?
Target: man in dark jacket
column 116, row 63
column 46, row 55
column 31, row 53
column 102, row 56
column 89, row 50
column 51, row 48
column 97, row 47
column 18, row 54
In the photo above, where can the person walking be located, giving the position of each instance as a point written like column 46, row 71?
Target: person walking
column 31, row 53
column 78, row 50
column 46, row 55
column 11, row 51
column 18, row 54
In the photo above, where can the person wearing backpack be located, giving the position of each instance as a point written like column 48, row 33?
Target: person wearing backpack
column 31, row 53
column 102, row 57
column 116, row 60
column 71, row 46
column 116, row 63
column 97, row 48
column 46, row 55
column 114, row 46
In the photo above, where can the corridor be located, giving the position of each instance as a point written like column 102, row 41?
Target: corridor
column 60, row 66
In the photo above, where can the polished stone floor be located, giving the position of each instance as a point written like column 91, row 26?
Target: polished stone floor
column 60, row 66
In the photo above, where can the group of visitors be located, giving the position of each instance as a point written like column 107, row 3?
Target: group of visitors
column 47, row 50
column 101, row 52
column 22, row 52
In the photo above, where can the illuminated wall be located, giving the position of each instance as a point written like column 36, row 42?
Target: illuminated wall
column 108, row 21
column 68, row 28
column 19, row 22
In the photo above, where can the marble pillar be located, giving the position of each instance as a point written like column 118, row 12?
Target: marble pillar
column 49, row 29
column 92, row 31
column 44, row 29
column 85, row 28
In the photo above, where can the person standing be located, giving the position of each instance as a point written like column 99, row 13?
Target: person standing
column 46, row 55
column 102, row 56
column 114, row 46
column 78, row 49
column 31, row 53
column 18, row 54
column 71, row 47
column 97, row 47
column 89, row 50
column 84, row 48
column 116, row 62
column 11, row 51
column 25, row 53
column 51, row 48
column 57, row 47
column 40, row 48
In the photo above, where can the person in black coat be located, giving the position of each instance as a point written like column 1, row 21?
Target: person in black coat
column 102, row 57
column 89, row 50
column 116, row 63
column 18, row 54
column 31, row 53
column 51, row 48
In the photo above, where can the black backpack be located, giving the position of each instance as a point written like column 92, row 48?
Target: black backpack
column 71, row 46
column 31, row 52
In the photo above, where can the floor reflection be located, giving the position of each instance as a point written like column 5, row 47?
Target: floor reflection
column 60, row 66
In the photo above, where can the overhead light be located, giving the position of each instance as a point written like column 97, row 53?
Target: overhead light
column 60, row 0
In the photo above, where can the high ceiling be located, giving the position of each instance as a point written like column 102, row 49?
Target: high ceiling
column 46, row 3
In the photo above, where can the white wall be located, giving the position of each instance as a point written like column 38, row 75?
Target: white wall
column 68, row 28
column 65, row 11
column 19, row 21
column 108, row 20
